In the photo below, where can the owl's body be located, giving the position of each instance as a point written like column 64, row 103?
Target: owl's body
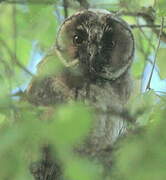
column 95, row 49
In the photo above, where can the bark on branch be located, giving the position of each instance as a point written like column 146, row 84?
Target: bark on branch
column 148, row 14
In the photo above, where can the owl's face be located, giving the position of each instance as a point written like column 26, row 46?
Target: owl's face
column 102, row 43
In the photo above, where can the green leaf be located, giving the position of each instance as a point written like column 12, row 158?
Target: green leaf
column 161, row 7
column 161, row 62
column 40, row 24
column 142, row 154
column 81, row 169
column 141, row 107
column 50, row 65
column 6, row 24
column 72, row 123
column 137, row 68
column 2, row 119
column 24, row 48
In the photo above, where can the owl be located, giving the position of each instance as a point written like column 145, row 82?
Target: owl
column 94, row 49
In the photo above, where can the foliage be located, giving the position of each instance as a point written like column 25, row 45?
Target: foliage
column 142, row 154
column 29, row 27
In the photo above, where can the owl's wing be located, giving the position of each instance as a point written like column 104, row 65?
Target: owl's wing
column 47, row 86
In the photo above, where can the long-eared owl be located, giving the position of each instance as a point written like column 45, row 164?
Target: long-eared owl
column 96, row 50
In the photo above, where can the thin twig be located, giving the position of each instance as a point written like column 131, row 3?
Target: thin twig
column 162, row 92
column 2, row 1
column 148, row 14
column 146, row 37
column 84, row 3
column 13, row 58
column 134, row 14
column 149, row 17
column 140, row 39
column 65, row 6
column 146, row 26
column 46, row 2
column 155, row 58
column 154, row 4
column 7, row 68
column 14, row 33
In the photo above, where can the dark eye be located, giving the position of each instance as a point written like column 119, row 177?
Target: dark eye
column 77, row 39
column 108, row 39
column 112, row 44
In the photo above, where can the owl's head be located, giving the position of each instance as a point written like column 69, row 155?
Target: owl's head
column 102, row 43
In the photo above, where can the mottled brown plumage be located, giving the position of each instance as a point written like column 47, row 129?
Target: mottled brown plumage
column 95, row 50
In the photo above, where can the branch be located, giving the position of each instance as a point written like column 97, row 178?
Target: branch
column 150, row 22
column 161, row 92
column 146, row 26
column 149, row 39
column 148, row 15
column 14, row 31
column 155, row 58
column 19, row 93
column 6, row 66
column 14, row 58
column 46, row 2
column 1, row 1
column 65, row 6
column 136, row 14
column 84, row 3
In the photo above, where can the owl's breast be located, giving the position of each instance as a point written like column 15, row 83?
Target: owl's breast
column 103, row 97
column 108, row 124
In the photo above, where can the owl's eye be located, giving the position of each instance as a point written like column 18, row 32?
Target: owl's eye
column 77, row 39
column 107, row 39
column 112, row 44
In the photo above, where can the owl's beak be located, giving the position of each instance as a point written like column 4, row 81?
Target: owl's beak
column 94, row 52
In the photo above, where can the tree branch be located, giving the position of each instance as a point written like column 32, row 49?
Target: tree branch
column 84, row 3
column 2, row 1
column 14, row 58
column 65, row 6
column 136, row 14
column 146, row 26
column 148, row 14
column 155, row 58
column 46, row 2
